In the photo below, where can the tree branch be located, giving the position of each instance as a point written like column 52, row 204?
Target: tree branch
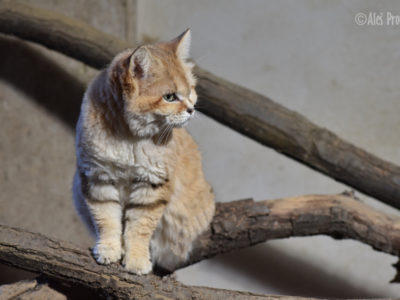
column 244, row 223
column 31, row 289
column 58, row 32
column 250, row 113
column 236, row 225
column 62, row 261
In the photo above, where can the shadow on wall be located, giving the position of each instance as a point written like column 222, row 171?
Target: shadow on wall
column 268, row 266
column 50, row 86
column 37, row 76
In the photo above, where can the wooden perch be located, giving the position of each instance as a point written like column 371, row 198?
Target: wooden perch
column 250, row 113
column 63, row 261
column 236, row 225
column 244, row 223
column 31, row 289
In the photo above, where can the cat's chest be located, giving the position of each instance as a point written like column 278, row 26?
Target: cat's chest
column 139, row 160
column 149, row 162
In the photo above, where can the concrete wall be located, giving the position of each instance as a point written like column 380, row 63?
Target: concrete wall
column 307, row 55
column 311, row 57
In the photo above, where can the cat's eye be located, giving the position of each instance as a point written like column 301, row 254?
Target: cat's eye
column 170, row 97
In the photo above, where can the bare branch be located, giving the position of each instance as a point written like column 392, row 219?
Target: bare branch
column 244, row 223
column 55, row 31
column 30, row 289
column 63, row 261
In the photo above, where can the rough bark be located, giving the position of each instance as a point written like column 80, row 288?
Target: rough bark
column 60, row 33
column 63, row 261
column 32, row 289
column 236, row 225
column 244, row 223
column 250, row 113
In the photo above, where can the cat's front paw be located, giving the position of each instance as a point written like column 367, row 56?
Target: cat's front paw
column 107, row 253
column 139, row 266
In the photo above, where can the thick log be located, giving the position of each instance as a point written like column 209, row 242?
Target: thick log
column 236, row 225
column 63, row 261
column 250, row 113
column 55, row 31
column 30, row 289
column 244, row 223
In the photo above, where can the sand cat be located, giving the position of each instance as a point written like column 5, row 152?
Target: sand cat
column 139, row 184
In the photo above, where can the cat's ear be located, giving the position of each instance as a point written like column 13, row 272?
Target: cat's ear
column 140, row 62
column 181, row 44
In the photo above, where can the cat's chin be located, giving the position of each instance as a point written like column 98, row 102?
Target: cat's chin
column 142, row 126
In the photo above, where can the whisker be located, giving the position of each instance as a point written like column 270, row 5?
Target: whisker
column 200, row 105
column 170, row 133
column 167, row 133
column 164, row 134
column 196, row 116
column 205, row 55
column 162, row 131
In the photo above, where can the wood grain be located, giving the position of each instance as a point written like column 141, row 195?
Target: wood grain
column 62, row 261
column 244, row 223
column 29, row 289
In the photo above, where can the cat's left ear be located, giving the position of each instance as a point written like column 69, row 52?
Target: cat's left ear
column 181, row 44
column 140, row 62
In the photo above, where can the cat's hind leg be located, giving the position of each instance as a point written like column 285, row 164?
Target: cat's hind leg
column 182, row 222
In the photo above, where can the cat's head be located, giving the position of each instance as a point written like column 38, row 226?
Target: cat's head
column 157, row 85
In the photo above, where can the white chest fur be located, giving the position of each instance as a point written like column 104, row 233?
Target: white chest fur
column 133, row 160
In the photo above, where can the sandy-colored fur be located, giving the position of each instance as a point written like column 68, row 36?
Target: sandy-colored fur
column 139, row 184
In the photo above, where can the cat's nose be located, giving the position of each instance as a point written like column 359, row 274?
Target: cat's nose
column 190, row 110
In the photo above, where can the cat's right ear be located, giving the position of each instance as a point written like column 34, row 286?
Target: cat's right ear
column 140, row 62
column 181, row 44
